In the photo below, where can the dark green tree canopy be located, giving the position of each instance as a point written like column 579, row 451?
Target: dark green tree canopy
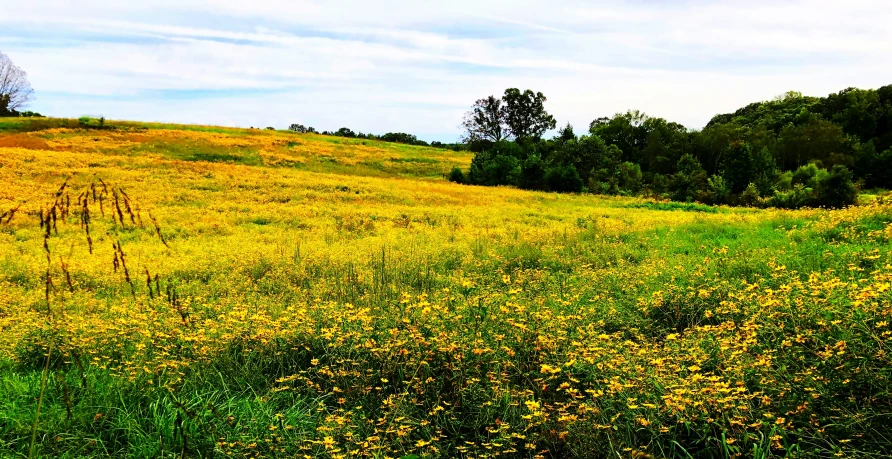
column 525, row 114
column 486, row 121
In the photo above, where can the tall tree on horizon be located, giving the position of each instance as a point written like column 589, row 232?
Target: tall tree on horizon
column 486, row 121
column 15, row 90
column 525, row 114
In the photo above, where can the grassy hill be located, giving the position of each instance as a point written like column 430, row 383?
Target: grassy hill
column 193, row 291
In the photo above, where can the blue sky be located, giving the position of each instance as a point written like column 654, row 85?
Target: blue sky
column 417, row 66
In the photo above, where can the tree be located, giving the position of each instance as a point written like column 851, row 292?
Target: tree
column 532, row 174
column 345, row 132
column 15, row 90
column 566, row 134
column 630, row 177
column 491, row 168
column 525, row 114
column 299, row 128
column 815, row 140
column 689, row 181
column 485, row 121
column 563, row 179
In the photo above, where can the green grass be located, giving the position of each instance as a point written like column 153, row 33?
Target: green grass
column 231, row 399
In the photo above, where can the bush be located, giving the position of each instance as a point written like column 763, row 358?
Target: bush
column 494, row 169
column 718, row 189
column 805, row 175
column 660, row 183
column 750, row 195
column 457, row 176
column 630, row 177
column 784, row 182
column 836, row 189
column 532, row 174
column 84, row 121
column 690, row 181
column 798, row 196
column 564, row 179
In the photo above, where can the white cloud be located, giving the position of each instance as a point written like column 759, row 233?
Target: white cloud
column 415, row 66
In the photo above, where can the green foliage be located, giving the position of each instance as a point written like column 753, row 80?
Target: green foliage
column 493, row 169
column 806, row 175
column 457, row 176
column 631, row 179
column 532, row 174
column 796, row 197
column 525, row 114
column 750, row 196
column 836, row 189
column 486, row 121
column 690, row 180
column 563, row 179
column 345, row 132
column 402, row 137
column 718, row 189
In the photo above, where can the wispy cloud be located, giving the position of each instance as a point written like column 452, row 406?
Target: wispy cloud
column 415, row 66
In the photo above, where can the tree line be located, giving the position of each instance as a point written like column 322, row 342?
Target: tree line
column 792, row 151
column 396, row 137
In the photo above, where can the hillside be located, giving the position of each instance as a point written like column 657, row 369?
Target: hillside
column 252, row 147
column 203, row 291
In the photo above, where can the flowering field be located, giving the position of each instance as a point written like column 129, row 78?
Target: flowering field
column 202, row 292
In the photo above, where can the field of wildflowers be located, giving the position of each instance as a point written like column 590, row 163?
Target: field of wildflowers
column 171, row 291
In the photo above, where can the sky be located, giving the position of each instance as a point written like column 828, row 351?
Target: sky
column 417, row 66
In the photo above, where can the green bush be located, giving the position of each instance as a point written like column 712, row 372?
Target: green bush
column 564, row 179
column 690, row 181
column 718, row 189
column 457, row 176
column 494, row 169
column 798, row 196
column 630, row 177
column 836, row 189
column 750, row 196
column 532, row 174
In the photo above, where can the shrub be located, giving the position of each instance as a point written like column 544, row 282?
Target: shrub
column 660, row 183
column 457, row 176
column 784, row 182
column 564, row 179
column 805, row 175
column 84, row 121
column 630, row 177
column 836, row 189
column 690, row 180
column 494, row 169
column 718, row 189
column 750, row 195
column 798, row 196
column 532, row 174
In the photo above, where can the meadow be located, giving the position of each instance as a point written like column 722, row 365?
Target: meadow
column 187, row 291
